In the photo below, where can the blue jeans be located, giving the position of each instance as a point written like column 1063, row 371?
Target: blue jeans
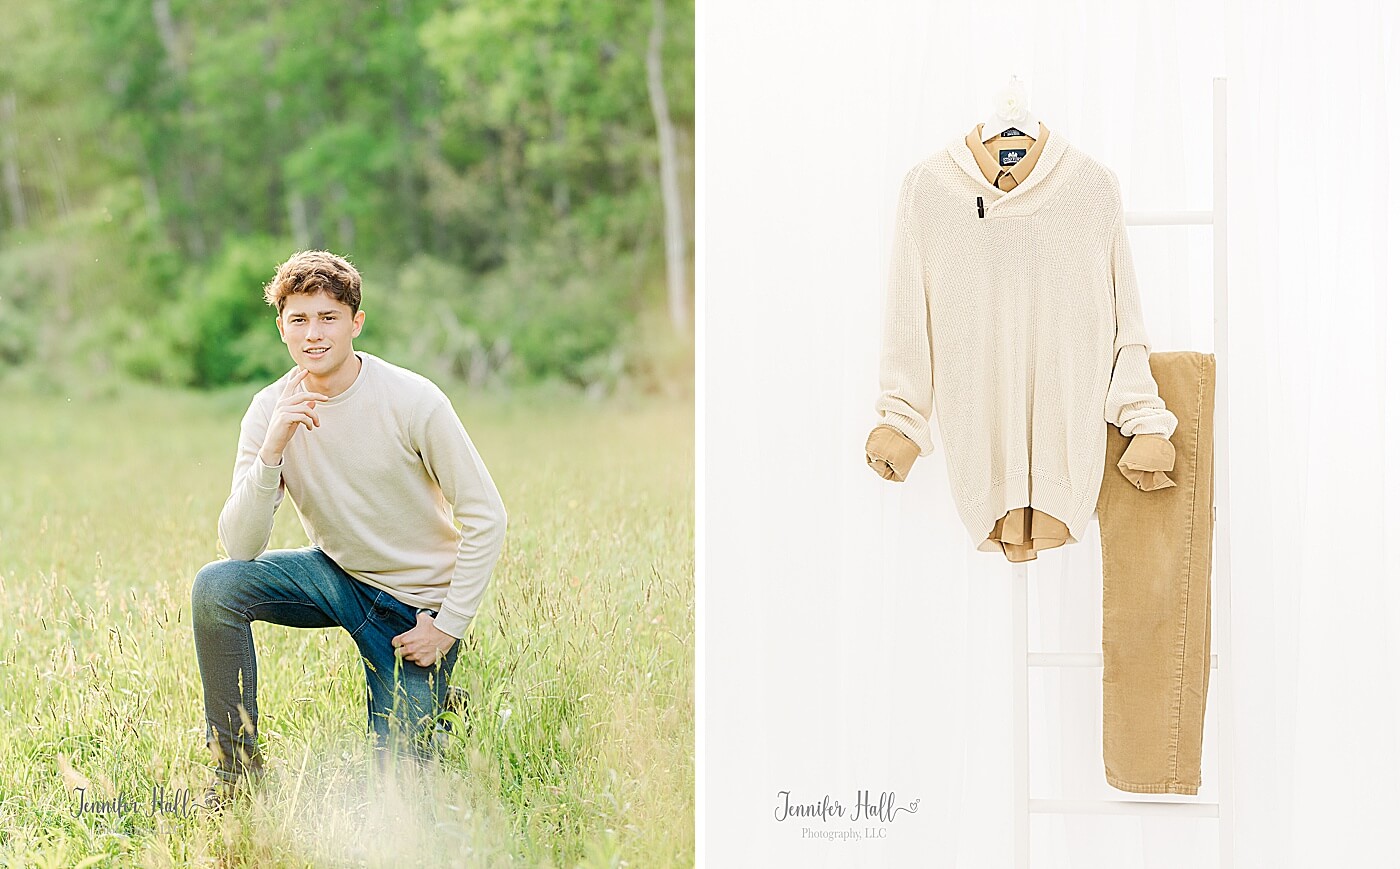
column 304, row 588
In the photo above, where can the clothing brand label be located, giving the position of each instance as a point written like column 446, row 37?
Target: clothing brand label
column 1011, row 156
column 1012, row 131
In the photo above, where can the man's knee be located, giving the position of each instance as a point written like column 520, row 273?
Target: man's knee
column 214, row 587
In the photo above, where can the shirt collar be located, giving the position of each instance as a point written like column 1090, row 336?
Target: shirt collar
column 992, row 170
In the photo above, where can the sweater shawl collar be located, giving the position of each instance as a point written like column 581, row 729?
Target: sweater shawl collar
column 1053, row 148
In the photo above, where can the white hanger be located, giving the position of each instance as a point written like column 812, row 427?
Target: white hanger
column 1011, row 112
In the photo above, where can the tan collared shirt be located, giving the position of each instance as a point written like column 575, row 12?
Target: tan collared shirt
column 1023, row 531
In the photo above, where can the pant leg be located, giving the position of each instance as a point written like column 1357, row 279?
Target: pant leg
column 296, row 587
column 1157, row 549
column 402, row 699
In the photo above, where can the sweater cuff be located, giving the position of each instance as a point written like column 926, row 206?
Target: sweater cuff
column 1146, row 462
column 452, row 623
column 890, row 453
column 267, row 476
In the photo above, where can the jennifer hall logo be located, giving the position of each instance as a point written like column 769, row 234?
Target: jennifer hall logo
column 179, row 803
column 877, row 816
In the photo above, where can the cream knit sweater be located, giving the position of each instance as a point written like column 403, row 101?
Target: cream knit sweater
column 381, row 486
column 1026, row 326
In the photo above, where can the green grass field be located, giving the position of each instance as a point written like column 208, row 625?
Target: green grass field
column 580, row 664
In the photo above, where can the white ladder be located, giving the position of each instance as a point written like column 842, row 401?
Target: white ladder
column 1220, row 693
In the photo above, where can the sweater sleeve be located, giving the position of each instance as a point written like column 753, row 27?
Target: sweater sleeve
column 245, row 523
column 906, row 351
column 451, row 459
column 1133, row 404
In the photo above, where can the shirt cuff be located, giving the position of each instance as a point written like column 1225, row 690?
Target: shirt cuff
column 1146, row 462
column 890, row 453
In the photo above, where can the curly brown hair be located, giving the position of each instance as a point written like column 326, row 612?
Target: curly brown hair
column 314, row 271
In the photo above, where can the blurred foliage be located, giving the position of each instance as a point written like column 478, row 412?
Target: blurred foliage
column 491, row 168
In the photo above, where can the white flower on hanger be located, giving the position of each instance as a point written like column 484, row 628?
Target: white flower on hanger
column 1010, row 105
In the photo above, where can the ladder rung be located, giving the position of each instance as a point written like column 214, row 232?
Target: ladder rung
column 1075, row 659
column 1124, row 807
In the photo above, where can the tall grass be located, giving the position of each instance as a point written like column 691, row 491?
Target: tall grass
column 577, row 748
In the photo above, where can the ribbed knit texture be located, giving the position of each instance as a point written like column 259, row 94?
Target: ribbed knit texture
column 1024, row 325
column 381, row 485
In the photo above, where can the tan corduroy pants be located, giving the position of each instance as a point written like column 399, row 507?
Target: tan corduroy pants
column 1156, row 594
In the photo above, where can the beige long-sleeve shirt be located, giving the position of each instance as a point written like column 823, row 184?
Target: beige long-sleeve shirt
column 958, row 288
column 382, row 486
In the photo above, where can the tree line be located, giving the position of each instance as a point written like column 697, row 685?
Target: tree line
column 513, row 179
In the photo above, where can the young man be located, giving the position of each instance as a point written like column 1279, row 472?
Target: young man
column 381, row 472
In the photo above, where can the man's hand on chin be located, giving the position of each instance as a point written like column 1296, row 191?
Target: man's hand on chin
column 424, row 645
